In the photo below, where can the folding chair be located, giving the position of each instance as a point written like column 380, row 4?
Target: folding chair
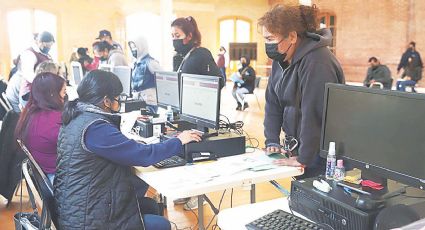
column 243, row 100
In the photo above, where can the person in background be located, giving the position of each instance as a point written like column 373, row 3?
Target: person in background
column 16, row 62
column 30, row 59
column 105, row 35
column 247, row 74
column 143, row 73
column 95, row 162
column 221, row 63
column 108, row 55
column 193, row 59
column 190, row 56
column 19, row 85
column 411, row 52
column 378, row 73
column 302, row 65
column 411, row 75
column 40, row 120
column 84, row 59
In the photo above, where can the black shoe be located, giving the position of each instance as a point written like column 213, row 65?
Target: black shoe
column 245, row 105
column 239, row 107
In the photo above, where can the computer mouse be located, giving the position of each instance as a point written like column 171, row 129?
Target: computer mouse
column 365, row 202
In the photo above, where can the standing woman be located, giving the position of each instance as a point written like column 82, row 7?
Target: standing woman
column 302, row 65
column 190, row 56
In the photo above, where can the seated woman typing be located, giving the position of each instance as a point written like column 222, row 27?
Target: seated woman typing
column 40, row 120
column 93, row 186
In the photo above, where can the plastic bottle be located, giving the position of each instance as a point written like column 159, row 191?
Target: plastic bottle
column 339, row 171
column 330, row 162
column 169, row 114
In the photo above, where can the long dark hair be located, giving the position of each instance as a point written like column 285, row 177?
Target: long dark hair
column 189, row 26
column 94, row 87
column 44, row 96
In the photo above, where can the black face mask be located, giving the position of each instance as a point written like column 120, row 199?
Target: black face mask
column 103, row 58
column 134, row 53
column 273, row 52
column 244, row 64
column 182, row 48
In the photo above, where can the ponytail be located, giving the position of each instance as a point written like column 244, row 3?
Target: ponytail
column 189, row 26
column 70, row 111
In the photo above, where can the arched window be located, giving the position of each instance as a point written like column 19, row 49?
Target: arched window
column 22, row 24
column 328, row 20
column 234, row 29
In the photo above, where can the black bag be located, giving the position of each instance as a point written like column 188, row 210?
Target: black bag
column 27, row 220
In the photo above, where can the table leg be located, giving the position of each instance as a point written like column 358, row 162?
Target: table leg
column 252, row 193
column 201, row 212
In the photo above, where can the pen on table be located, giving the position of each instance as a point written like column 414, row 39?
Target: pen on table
column 353, row 189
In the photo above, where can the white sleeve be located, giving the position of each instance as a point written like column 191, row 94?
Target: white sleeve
column 28, row 60
column 154, row 66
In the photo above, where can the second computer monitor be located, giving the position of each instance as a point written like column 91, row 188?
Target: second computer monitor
column 200, row 100
column 168, row 89
column 124, row 74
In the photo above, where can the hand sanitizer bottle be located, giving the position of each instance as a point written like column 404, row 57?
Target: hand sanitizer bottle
column 339, row 171
column 330, row 162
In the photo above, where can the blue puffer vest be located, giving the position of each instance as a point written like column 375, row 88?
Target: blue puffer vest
column 92, row 192
column 141, row 77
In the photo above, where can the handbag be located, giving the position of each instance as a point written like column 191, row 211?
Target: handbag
column 27, row 220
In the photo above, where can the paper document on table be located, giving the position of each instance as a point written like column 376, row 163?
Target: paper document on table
column 254, row 163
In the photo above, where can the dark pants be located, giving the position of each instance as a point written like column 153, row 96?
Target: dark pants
column 223, row 73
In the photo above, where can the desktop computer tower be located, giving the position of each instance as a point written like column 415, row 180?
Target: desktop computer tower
column 335, row 208
column 338, row 209
column 223, row 145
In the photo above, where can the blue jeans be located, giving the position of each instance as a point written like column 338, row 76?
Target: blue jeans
column 401, row 85
column 51, row 176
column 151, row 215
column 223, row 73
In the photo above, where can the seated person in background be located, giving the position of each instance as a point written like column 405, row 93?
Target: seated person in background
column 378, row 73
column 108, row 55
column 84, row 59
column 93, row 184
column 412, row 74
column 39, row 123
column 247, row 75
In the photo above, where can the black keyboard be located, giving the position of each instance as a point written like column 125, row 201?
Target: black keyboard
column 279, row 219
column 173, row 161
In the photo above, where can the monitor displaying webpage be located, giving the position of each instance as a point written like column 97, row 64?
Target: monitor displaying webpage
column 167, row 87
column 200, row 98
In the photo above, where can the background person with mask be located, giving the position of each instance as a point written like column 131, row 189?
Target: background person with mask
column 143, row 73
column 221, row 62
column 108, row 55
column 247, row 74
column 30, row 59
column 410, row 53
column 193, row 59
column 105, row 35
column 190, row 56
column 302, row 65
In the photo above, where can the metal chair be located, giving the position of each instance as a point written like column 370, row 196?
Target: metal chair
column 34, row 175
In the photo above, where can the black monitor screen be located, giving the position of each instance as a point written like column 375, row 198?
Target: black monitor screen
column 380, row 130
column 167, row 89
column 201, row 100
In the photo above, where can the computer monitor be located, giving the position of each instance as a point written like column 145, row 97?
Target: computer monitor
column 106, row 67
column 200, row 100
column 378, row 131
column 124, row 74
column 168, row 90
column 77, row 72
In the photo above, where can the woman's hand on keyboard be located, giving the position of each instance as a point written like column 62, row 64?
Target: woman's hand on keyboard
column 189, row 136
